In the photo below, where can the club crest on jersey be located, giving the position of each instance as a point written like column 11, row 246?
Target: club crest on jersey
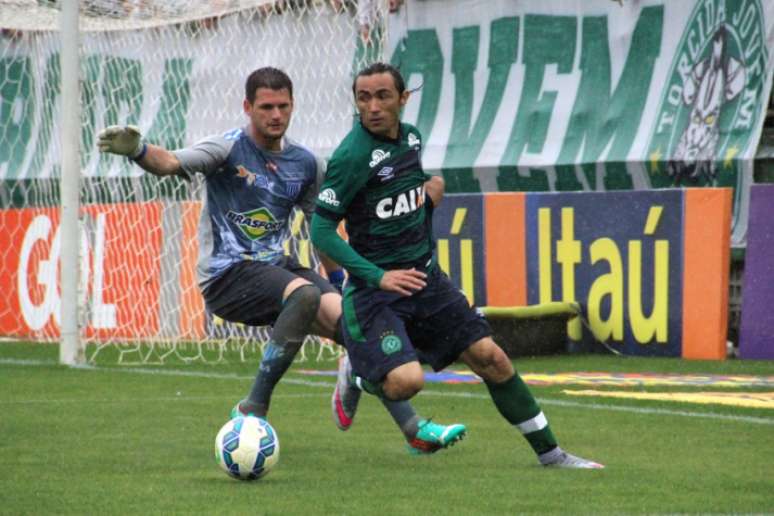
column 255, row 224
column 413, row 141
column 401, row 204
column 377, row 156
column 386, row 173
column 293, row 188
column 251, row 178
column 328, row 196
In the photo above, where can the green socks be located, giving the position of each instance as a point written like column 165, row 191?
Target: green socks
column 517, row 405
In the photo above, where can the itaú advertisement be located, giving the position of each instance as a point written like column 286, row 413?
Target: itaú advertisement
column 649, row 268
column 120, row 249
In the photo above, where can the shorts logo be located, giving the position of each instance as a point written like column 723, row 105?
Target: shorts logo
column 328, row 196
column 391, row 344
column 255, row 224
column 712, row 98
column 377, row 157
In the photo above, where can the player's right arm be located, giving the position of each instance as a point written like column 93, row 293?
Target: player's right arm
column 204, row 157
column 127, row 141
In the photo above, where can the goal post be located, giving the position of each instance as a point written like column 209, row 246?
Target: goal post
column 127, row 255
column 70, row 350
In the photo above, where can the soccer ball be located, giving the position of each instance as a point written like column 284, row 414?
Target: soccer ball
column 247, row 448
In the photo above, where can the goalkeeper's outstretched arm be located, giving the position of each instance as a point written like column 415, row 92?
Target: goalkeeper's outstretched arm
column 127, row 141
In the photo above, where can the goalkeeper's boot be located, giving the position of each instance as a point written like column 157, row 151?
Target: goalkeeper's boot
column 432, row 437
column 345, row 396
column 242, row 409
column 558, row 458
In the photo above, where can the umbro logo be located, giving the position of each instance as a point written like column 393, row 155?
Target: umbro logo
column 386, row 173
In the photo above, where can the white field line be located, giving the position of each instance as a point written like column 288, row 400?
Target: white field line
column 426, row 392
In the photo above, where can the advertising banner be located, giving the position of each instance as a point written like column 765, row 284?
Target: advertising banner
column 588, row 96
column 756, row 339
column 650, row 269
column 121, row 299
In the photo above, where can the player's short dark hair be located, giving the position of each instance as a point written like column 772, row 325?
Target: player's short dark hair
column 375, row 68
column 267, row 77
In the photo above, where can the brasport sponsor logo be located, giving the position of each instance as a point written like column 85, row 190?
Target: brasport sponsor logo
column 256, row 223
column 377, row 156
column 401, row 204
column 328, row 196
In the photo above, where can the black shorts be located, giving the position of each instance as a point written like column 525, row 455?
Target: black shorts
column 383, row 330
column 250, row 292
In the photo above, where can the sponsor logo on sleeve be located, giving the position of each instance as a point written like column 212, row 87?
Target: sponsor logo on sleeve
column 328, row 196
column 413, row 141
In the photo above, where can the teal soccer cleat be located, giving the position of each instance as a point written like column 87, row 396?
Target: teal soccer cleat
column 432, row 437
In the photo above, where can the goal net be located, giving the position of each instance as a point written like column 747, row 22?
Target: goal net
column 176, row 69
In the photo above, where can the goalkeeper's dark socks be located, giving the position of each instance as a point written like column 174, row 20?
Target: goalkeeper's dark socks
column 276, row 360
column 517, row 405
column 291, row 327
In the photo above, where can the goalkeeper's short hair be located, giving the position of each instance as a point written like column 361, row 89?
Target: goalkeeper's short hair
column 267, row 77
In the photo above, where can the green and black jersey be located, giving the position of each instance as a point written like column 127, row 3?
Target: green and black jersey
column 377, row 185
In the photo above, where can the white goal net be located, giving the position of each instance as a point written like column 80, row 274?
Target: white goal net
column 177, row 69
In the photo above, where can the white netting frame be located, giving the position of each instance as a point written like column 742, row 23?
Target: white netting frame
column 318, row 42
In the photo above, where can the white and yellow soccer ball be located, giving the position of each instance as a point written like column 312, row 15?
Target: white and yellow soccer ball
column 247, row 448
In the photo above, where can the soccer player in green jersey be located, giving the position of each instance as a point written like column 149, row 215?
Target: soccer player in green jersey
column 398, row 306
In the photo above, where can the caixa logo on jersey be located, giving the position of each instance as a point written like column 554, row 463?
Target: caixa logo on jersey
column 256, row 223
column 401, row 204
column 712, row 98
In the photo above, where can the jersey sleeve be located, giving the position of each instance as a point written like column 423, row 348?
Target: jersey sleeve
column 341, row 184
column 307, row 203
column 205, row 156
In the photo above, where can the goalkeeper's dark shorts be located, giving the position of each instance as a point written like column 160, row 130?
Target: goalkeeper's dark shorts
column 383, row 330
column 250, row 292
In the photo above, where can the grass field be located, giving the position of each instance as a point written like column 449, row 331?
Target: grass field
column 139, row 440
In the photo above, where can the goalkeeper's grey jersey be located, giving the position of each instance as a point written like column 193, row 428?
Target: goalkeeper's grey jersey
column 250, row 194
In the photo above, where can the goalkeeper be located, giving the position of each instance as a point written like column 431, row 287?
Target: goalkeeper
column 399, row 307
column 254, row 176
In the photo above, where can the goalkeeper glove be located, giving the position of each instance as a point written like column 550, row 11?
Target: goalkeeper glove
column 123, row 140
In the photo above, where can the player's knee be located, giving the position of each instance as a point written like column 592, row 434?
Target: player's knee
column 489, row 361
column 403, row 383
column 306, row 298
